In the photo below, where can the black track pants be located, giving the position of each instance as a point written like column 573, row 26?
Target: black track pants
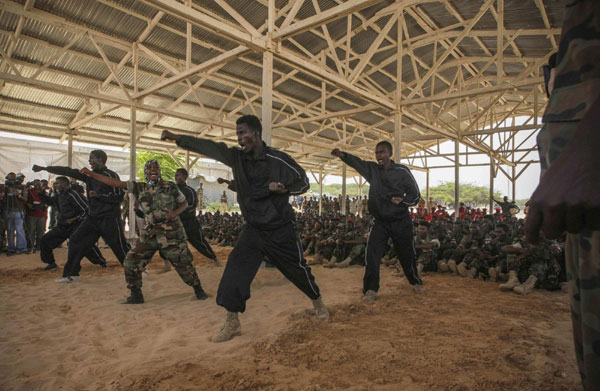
column 110, row 228
column 284, row 250
column 195, row 236
column 402, row 236
column 56, row 236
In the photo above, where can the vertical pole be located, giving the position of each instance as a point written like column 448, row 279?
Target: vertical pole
column 427, row 188
column 267, row 78
column 398, row 116
column 361, row 183
column 513, row 179
column 132, row 163
column 343, row 200
column 320, row 191
column 187, row 160
column 70, row 149
column 456, row 162
column 456, row 178
column 500, row 43
column 188, row 42
column 491, row 175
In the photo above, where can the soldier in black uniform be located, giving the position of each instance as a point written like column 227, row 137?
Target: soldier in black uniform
column 71, row 209
column 192, row 227
column 104, row 219
column 265, row 178
column 392, row 190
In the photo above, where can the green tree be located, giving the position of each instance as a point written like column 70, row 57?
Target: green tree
column 168, row 166
column 336, row 189
column 469, row 194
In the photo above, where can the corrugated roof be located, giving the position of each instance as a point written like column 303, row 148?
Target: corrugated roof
column 116, row 24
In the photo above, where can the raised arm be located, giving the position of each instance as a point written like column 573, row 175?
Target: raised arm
column 208, row 148
column 61, row 170
column 361, row 166
column 113, row 182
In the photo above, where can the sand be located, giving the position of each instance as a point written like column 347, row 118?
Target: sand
column 461, row 335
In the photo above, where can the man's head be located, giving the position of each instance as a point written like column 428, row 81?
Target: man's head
column 422, row 228
column 505, row 198
column 152, row 172
column 44, row 184
column 383, row 153
column 249, row 130
column 97, row 159
column 37, row 185
column 181, row 175
column 61, row 183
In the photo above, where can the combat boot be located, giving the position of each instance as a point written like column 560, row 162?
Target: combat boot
column 199, row 292
column 136, row 296
column 442, row 266
column 461, row 269
column 513, row 281
column 471, row 273
column 370, row 295
column 332, row 262
column 320, row 309
column 317, row 259
column 452, row 266
column 344, row 263
column 527, row 286
column 493, row 274
column 399, row 270
column 231, row 328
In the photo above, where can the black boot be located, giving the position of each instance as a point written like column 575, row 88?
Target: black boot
column 136, row 296
column 200, row 294
column 51, row 266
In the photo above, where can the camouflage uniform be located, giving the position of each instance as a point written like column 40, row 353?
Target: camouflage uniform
column 542, row 264
column 166, row 236
column 576, row 87
column 427, row 258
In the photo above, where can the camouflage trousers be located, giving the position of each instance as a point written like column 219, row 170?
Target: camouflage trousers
column 583, row 274
column 174, row 250
column 428, row 260
column 357, row 254
column 547, row 273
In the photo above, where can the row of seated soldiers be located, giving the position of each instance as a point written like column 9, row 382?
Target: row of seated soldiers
column 485, row 248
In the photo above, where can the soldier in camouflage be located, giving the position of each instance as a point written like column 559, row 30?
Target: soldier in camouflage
column 162, row 202
column 568, row 196
column 426, row 245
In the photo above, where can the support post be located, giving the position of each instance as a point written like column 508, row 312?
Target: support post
column 132, row 164
column 187, row 161
column 267, row 78
column 427, row 188
column 456, row 179
column 320, row 191
column 343, row 200
column 267, row 96
column 492, row 171
column 70, row 149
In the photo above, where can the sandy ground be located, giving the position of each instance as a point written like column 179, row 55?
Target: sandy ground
column 462, row 335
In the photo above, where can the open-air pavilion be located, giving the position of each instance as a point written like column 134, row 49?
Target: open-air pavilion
column 319, row 73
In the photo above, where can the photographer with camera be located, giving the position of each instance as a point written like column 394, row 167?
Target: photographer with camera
column 36, row 215
column 15, row 197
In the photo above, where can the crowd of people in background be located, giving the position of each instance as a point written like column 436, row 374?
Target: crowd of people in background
column 476, row 244
column 490, row 247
